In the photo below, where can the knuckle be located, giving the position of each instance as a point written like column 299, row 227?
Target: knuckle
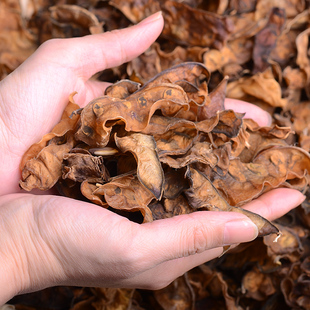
column 134, row 257
column 50, row 44
column 197, row 238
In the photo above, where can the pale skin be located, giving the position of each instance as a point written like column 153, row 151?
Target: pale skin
column 48, row 240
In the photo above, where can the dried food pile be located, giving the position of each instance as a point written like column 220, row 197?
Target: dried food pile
column 263, row 47
column 164, row 149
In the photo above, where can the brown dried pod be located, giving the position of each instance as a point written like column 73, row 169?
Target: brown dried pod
column 101, row 114
column 203, row 195
column 44, row 170
column 149, row 170
column 127, row 193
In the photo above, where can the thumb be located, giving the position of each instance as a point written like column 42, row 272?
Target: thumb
column 93, row 53
column 194, row 233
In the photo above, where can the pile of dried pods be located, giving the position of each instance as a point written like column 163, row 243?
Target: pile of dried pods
column 166, row 148
column 263, row 47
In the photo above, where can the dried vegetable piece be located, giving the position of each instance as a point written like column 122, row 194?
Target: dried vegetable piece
column 257, row 285
column 177, row 206
column 229, row 123
column 79, row 167
column 66, row 124
column 99, row 116
column 44, row 170
column 194, row 73
column 262, row 86
column 87, row 189
column 122, row 89
column 216, row 102
column 175, row 183
column 127, row 193
column 149, row 170
column 170, row 207
column 266, row 39
column 271, row 168
column 203, row 195
column 160, row 125
column 200, row 152
column 187, row 25
column 17, row 42
column 71, row 20
column 176, row 141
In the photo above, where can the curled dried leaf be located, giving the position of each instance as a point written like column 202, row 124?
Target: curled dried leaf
column 199, row 152
column 175, row 183
column 122, row 89
column 74, row 19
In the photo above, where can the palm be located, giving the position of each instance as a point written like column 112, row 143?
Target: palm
column 36, row 112
column 37, row 92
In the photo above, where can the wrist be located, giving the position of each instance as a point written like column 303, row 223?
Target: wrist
column 25, row 261
column 8, row 287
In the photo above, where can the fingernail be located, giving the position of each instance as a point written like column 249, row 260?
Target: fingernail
column 238, row 231
column 151, row 18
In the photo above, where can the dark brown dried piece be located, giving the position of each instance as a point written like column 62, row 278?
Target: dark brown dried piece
column 79, row 167
column 195, row 27
column 67, row 123
column 72, row 20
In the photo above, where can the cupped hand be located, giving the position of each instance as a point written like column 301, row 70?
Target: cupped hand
column 34, row 96
column 51, row 240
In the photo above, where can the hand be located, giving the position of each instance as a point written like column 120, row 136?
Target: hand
column 49, row 240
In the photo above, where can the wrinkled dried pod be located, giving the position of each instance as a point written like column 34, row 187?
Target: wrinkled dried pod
column 202, row 194
column 149, row 171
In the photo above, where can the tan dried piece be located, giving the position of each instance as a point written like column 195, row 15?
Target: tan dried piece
column 44, row 170
column 127, row 193
column 101, row 114
column 149, row 170
column 68, row 121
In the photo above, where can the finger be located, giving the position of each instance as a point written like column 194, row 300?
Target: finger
column 262, row 117
column 94, row 89
column 93, row 53
column 276, row 203
column 186, row 235
column 271, row 205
